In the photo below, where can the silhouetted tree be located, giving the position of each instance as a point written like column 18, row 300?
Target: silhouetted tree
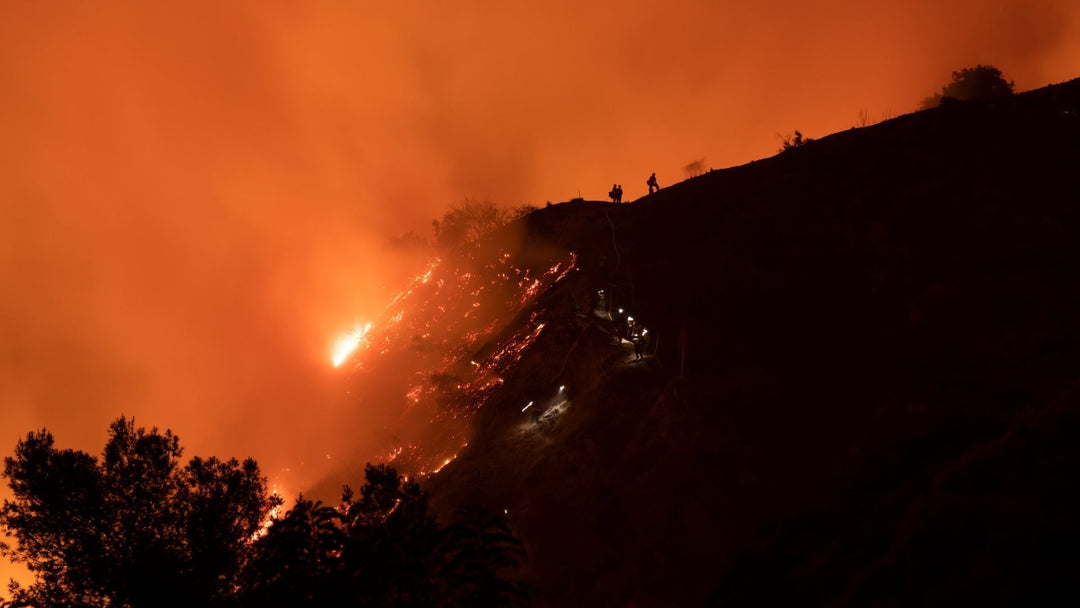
column 384, row 548
column 794, row 141
column 476, row 547
column 520, row 211
column 971, row 83
column 468, row 221
column 401, row 557
column 298, row 561
column 133, row 528
column 393, row 552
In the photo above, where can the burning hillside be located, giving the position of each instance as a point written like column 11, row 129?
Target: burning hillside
column 442, row 346
column 847, row 333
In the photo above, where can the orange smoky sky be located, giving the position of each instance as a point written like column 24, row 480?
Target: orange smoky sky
column 196, row 197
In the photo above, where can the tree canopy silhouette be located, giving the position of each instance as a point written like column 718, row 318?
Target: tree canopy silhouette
column 470, row 220
column 135, row 529
column 132, row 528
column 383, row 546
column 467, row 222
column 790, row 142
column 971, row 83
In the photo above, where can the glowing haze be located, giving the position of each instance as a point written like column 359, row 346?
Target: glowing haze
column 196, row 200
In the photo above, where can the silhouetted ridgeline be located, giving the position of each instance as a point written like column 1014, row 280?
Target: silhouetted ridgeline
column 879, row 348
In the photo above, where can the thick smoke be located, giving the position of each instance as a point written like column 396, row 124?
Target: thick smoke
column 195, row 200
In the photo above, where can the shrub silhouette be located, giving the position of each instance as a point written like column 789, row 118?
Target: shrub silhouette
column 384, row 548
column 971, row 83
column 136, row 529
column 794, row 141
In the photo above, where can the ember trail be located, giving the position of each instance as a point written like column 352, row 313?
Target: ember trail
column 439, row 350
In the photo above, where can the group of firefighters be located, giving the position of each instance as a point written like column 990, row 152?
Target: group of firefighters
column 626, row 326
column 616, row 189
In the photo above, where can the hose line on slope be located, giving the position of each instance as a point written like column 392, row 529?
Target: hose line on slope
column 618, row 258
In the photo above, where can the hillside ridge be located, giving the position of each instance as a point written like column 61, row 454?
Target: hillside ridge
column 854, row 343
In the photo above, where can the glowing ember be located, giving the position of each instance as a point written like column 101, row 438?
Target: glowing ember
column 348, row 343
column 444, row 463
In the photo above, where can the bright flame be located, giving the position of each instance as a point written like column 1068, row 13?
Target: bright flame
column 348, row 343
column 274, row 515
column 443, row 465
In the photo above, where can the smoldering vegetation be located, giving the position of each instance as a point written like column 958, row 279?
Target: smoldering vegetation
column 444, row 344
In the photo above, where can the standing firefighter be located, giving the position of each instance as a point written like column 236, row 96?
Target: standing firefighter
column 653, row 186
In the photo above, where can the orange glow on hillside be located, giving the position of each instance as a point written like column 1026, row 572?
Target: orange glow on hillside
column 196, row 196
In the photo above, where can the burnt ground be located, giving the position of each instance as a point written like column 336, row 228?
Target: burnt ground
column 865, row 384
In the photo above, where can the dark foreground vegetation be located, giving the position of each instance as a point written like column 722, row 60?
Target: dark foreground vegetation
column 979, row 82
column 134, row 528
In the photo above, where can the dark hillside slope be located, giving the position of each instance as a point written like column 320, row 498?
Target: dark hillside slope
column 865, row 386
